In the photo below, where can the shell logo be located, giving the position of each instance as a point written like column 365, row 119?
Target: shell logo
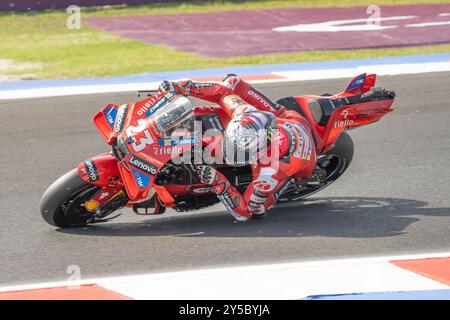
column 91, row 205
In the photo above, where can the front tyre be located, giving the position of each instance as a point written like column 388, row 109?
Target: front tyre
column 62, row 203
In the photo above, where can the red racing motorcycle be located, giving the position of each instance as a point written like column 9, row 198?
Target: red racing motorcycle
column 150, row 138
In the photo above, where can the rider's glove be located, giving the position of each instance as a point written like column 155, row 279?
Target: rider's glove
column 166, row 86
column 206, row 174
column 209, row 175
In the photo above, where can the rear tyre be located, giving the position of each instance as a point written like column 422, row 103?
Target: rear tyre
column 62, row 203
column 336, row 162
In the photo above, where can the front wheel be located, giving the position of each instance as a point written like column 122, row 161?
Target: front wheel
column 62, row 203
column 330, row 166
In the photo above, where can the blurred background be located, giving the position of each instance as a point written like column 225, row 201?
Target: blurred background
column 55, row 39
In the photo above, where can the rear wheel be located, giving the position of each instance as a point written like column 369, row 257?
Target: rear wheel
column 330, row 167
column 62, row 204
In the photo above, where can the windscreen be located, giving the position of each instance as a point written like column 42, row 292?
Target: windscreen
column 175, row 118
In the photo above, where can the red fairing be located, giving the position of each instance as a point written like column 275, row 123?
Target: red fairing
column 354, row 116
column 99, row 170
column 104, row 121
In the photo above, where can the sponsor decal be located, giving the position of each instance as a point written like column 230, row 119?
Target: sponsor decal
column 261, row 98
column 142, row 165
column 153, row 104
column 203, row 190
column 199, row 85
column 91, row 170
column 343, row 123
column 257, row 199
column 227, row 201
column 91, row 205
column 112, row 183
column 345, row 114
column 234, row 101
column 293, row 143
column 142, row 180
column 120, row 119
column 165, row 100
column 167, row 151
column 236, row 201
column 304, row 148
column 147, row 106
column 356, row 83
column 110, row 115
column 176, row 142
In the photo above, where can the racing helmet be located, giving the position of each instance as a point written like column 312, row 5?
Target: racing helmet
column 247, row 136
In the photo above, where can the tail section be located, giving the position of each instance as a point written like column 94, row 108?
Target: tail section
column 361, row 84
column 361, row 103
column 368, row 110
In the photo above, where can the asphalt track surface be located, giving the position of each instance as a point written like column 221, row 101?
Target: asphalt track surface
column 394, row 199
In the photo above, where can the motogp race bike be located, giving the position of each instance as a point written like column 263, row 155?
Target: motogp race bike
column 148, row 136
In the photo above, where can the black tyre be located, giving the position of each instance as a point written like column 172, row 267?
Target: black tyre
column 62, row 203
column 334, row 163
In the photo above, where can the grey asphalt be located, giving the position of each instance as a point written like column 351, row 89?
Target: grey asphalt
column 394, row 199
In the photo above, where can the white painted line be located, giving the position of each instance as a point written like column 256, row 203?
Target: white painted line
column 288, row 76
column 292, row 281
column 381, row 70
column 275, row 281
column 428, row 24
column 75, row 90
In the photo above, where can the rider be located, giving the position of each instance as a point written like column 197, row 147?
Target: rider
column 255, row 121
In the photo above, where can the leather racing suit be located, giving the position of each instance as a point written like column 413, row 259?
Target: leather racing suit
column 296, row 157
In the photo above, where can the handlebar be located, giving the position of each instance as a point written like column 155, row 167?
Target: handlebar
column 148, row 93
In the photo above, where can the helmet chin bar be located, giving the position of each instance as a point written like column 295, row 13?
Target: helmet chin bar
column 245, row 138
column 237, row 156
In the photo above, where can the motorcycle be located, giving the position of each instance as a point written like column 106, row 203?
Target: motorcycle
column 148, row 138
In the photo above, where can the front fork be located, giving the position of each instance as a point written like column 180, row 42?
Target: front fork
column 102, row 171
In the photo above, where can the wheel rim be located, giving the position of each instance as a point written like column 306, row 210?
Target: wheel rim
column 73, row 209
column 334, row 169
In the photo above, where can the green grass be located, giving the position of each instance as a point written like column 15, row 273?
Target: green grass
column 230, row 5
column 43, row 38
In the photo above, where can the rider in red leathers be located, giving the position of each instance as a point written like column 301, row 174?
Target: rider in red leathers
column 256, row 119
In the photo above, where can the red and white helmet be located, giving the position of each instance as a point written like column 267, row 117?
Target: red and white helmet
column 248, row 135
